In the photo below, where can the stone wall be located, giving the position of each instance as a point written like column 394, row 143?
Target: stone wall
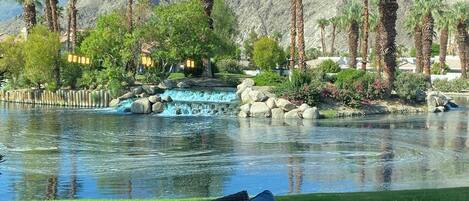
column 68, row 98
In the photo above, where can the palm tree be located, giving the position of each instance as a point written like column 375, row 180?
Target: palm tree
column 414, row 25
column 55, row 15
column 460, row 15
column 366, row 31
column 323, row 23
column 292, row 33
column 427, row 8
column 29, row 12
column 334, row 22
column 443, row 21
column 208, row 7
column 387, row 20
column 301, row 36
column 48, row 15
column 130, row 15
column 72, row 25
column 351, row 14
column 374, row 27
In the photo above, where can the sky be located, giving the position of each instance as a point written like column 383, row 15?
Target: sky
column 10, row 9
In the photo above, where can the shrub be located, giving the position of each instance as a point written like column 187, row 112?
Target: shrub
column 347, row 78
column 299, row 78
column 445, row 85
column 229, row 66
column 41, row 55
column 70, row 73
column 408, row 86
column 308, row 93
column 176, row 76
column 269, row 78
column 329, row 66
column 267, row 53
column 313, row 53
column 355, row 87
column 437, row 71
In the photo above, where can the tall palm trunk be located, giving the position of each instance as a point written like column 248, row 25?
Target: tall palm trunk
column 55, row 15
column 29, row 14
column 72, row 25
column 427, row 36
column 292, row 33
column 387, row 20
column 443, row 47
column 463, row 48
column 366, row 31
column 48, row 15
column 378, row 50
column 353, row 35
column 130, row 15
column 208, row 7
column 323, row 42
column 334, row 30
column 418, row 49
column 301, row 36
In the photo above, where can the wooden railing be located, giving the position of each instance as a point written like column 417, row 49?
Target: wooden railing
column 68, row 98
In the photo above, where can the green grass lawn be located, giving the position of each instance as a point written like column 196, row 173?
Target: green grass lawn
column 452, row 194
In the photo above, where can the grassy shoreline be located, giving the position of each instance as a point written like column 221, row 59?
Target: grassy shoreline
column 446, row 194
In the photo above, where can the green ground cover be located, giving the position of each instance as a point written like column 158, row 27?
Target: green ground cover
column 451, row 194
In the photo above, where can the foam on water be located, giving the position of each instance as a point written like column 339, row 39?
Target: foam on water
column 195, row 102
column 211, row 95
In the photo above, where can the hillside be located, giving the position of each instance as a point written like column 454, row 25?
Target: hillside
column 263, row 16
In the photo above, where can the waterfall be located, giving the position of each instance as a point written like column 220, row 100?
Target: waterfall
column 201, row 102
column 195, row 102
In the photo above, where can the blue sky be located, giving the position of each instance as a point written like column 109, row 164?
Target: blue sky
column 9, row 9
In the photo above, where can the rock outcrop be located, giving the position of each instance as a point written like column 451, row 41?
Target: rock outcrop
column 438, row 102
column 258, row 102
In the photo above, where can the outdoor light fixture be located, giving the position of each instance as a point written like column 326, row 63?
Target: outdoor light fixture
column 190, row 63
column 147, row 61
column 71, row 58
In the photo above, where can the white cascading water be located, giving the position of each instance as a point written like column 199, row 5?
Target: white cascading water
column 195, row 102
column 203, row 102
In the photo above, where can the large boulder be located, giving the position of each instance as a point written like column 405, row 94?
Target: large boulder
column 243, row 114
column 304, row 107
column 277, row 113
column 184, row 84
column 137, row 90
column 246, row 97
column 293, row 114
column 245, row 108
column 141, row 106
column 285, row 105
column 127, row 95
column 260, row 109
column 151, row 89
column 167, row 99
column 437, row 100
column 258, row 96
column 115, row 102
column 311, row 113
column 271, row 103
column 247, row 83
column 154, row 99
column 167, row 84
column 158, row 107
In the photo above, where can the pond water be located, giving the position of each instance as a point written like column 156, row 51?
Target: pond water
column 79, row 153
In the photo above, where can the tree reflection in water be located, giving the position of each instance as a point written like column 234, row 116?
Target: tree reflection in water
column 60, row 153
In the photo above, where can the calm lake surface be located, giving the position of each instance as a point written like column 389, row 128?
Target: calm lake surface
column 79, row 153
